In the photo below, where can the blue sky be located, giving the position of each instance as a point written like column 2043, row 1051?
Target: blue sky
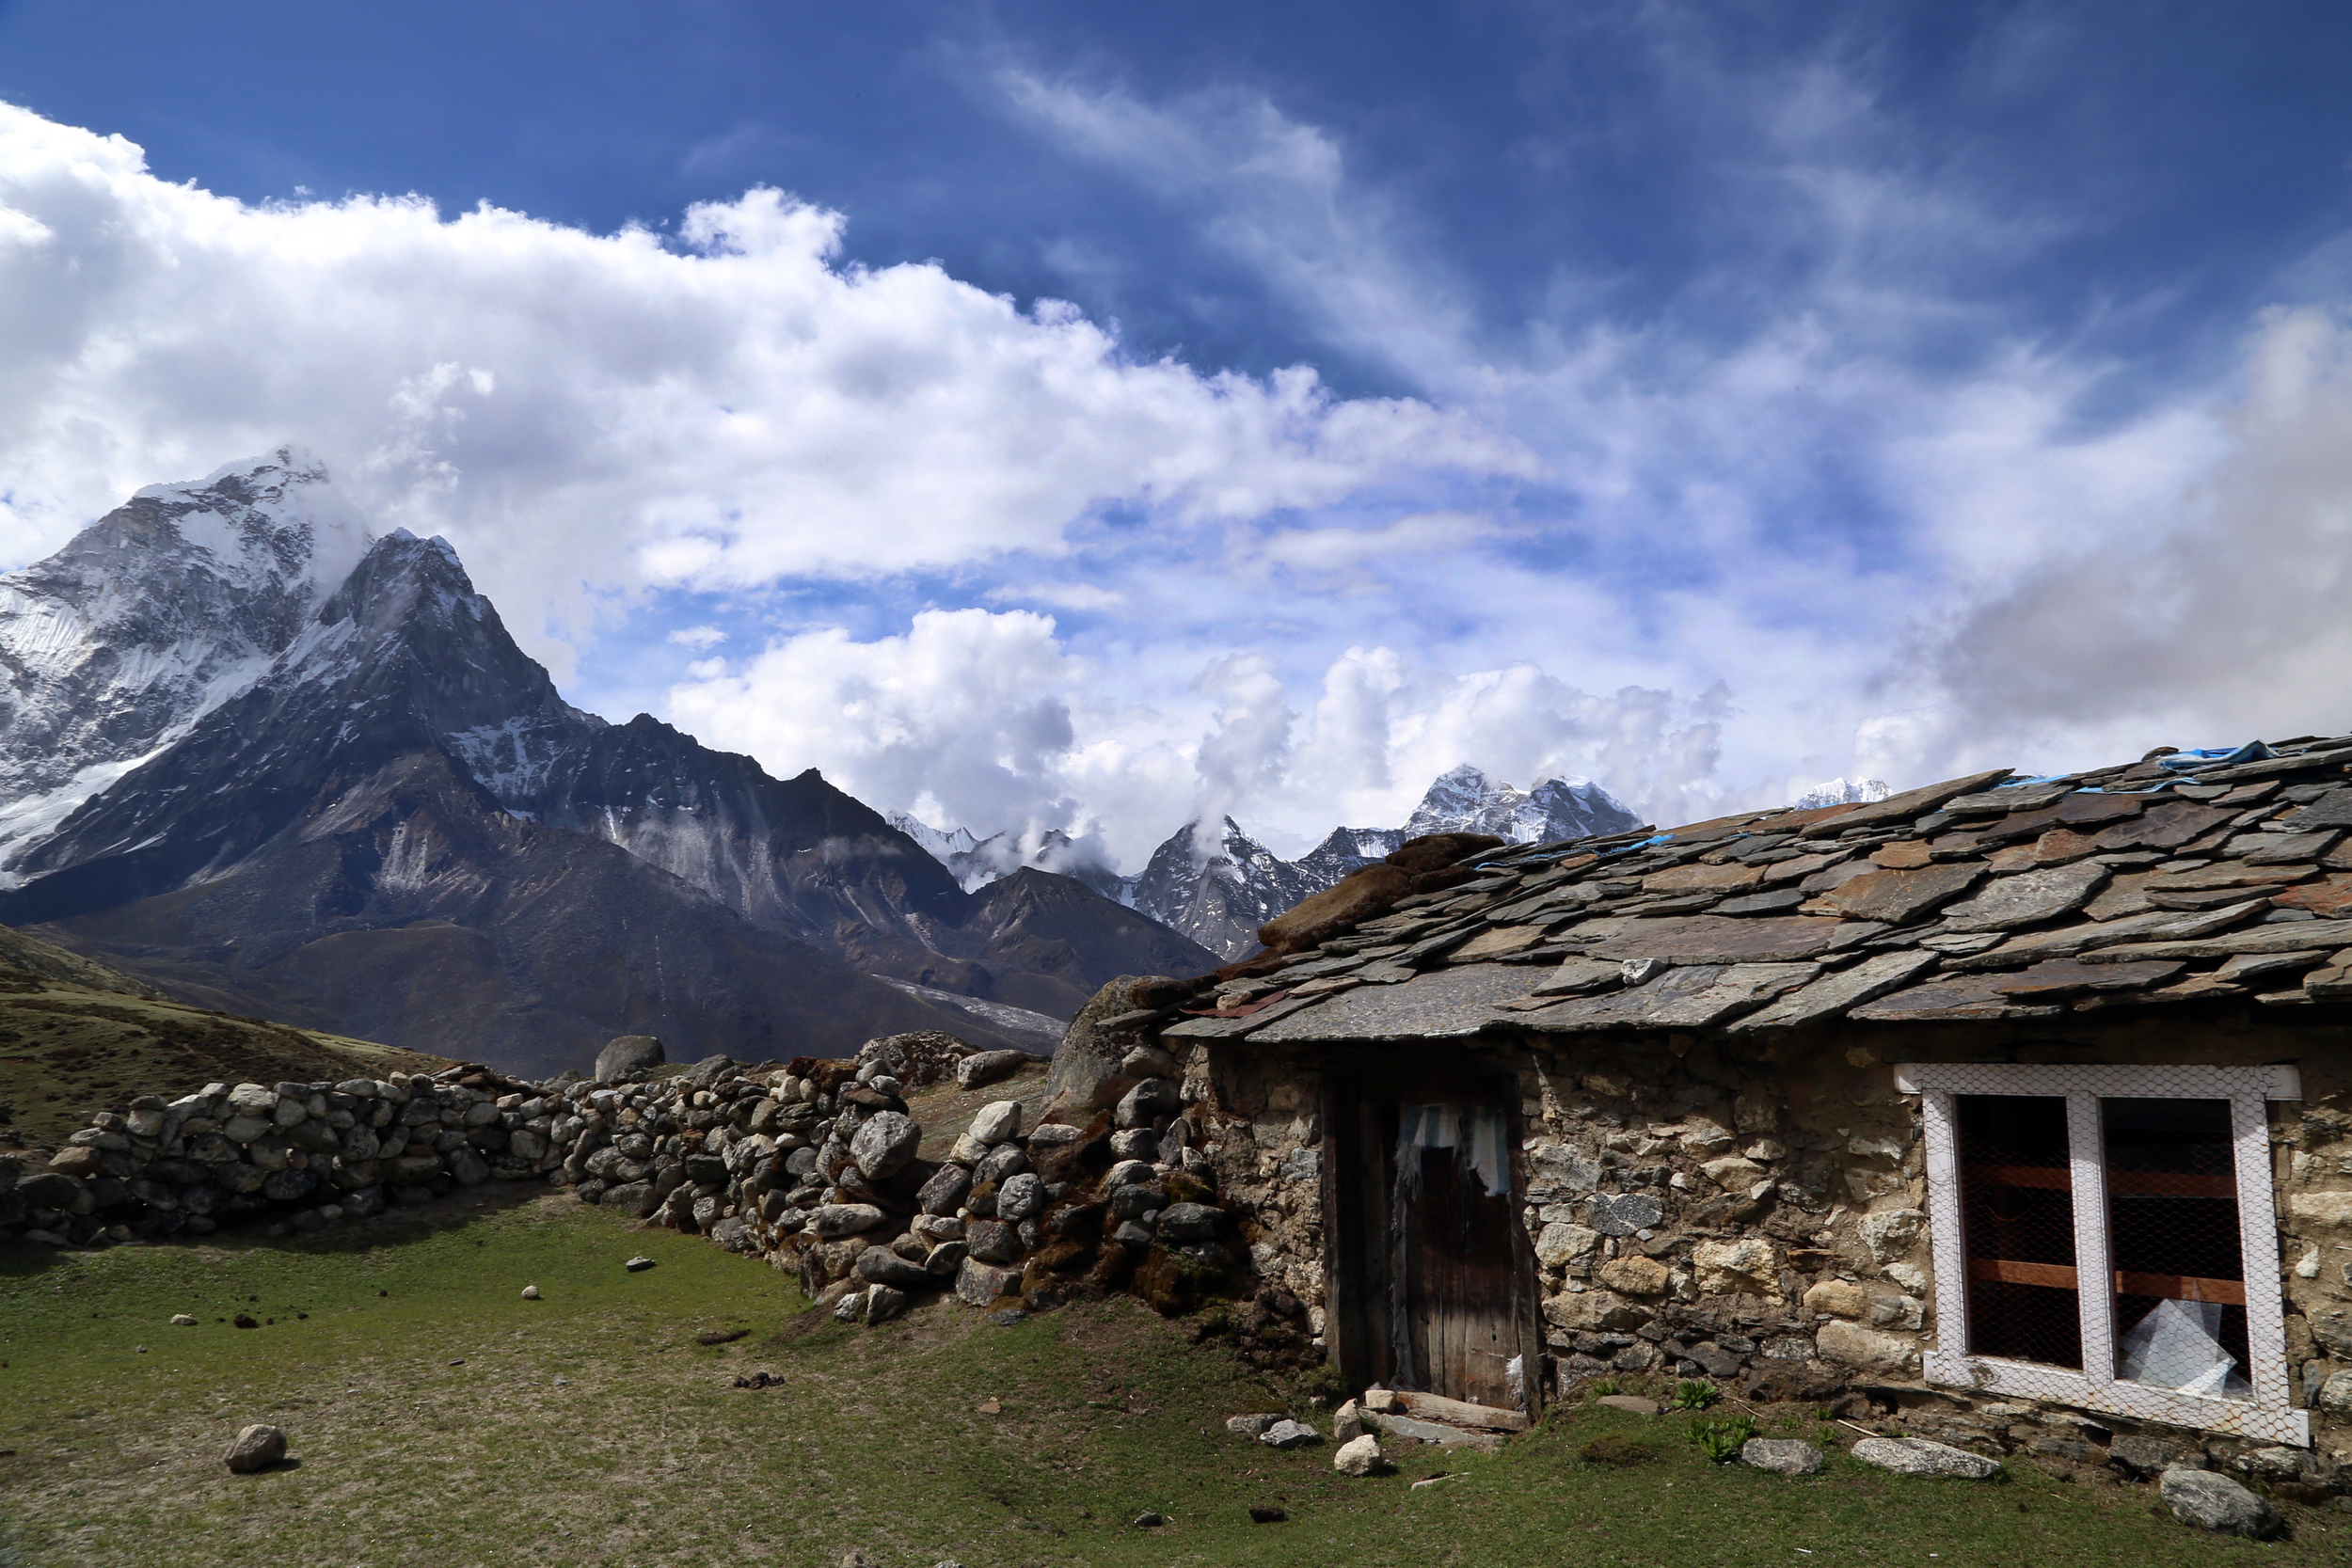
column 1710, row 399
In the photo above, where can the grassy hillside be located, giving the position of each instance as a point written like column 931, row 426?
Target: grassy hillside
column 76, row 1037
column 440, row 1418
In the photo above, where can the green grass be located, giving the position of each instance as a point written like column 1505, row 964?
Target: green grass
column 878, row 1440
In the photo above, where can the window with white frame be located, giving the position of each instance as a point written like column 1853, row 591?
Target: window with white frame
column 2104, row 1237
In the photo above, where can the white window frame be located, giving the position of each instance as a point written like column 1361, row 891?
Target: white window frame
column 2270, row 1415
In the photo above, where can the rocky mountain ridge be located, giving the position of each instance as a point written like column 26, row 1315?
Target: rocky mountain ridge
column 400, row 826
column 1218, row 897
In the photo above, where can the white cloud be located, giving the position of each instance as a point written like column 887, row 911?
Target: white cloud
column 697, row 637
column 598, row 413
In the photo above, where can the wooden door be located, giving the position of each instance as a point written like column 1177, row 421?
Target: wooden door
column 1450, row 1225
column 1432, row 1277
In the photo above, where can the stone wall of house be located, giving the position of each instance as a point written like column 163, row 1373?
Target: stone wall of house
column 1759, row 1220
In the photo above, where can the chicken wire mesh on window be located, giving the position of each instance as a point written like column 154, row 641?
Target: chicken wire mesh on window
column 2017, row 1214
column 2173, row 1236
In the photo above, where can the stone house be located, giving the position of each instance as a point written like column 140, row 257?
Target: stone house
column 2000, row 1097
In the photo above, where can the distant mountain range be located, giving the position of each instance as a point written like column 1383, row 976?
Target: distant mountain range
column 275, row 767
column 1219, row 895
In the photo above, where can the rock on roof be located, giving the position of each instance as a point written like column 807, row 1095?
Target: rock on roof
column 2178, row 879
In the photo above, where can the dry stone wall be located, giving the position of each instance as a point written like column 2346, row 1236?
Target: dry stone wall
column 815, row 1167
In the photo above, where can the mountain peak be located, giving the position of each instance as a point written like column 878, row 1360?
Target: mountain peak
column 151, row 618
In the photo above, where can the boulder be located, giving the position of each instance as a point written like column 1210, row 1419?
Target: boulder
column 1148, row 1101
column 881, row 1266
column 75, row 1161
column 1287, row 1433
column 257, row 1448
column 1783, row 1456
column 885, row 1144
column 987, row 1067
column 1020, row 1196
column 2216, row 1502
column 943, row 1195
column 979, row 1284
column 1253, row 1425
column 1359, row 1456
column 843, row 1219
column 995, row 1123
column 992, row 1240
column 624, row 1058
column 1085, row 1074
column 1916, row 1456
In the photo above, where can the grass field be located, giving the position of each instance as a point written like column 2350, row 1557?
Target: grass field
column 442, row 1420
column 75, row 1036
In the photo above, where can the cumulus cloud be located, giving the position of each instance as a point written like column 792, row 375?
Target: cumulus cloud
column 605, row 412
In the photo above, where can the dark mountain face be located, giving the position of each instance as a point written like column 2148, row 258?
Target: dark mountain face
column 404, row 833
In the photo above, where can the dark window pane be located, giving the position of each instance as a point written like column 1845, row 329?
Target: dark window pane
column 2017, row 1212
column 2172, row 1225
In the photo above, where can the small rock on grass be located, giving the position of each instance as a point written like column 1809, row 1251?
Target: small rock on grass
column 1266, row 1513
column 637, row 1264
column 257, row 1448
column 1250, row 1426
column 1288, row 1434
column 531, row 1292
column 1150, row 1519
column 1785, row 1456
column 2216, row 1502
column 1916, row 1456
column 182, row 1319
column 1631, row 1403
column 1359, row 1456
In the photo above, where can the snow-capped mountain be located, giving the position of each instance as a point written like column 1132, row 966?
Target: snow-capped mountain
column 1219, row 898
column 1465, row 801
column 394, row 826
column 151, row 618
column 1216, row 900
column 978, row 862
column 1842, row 792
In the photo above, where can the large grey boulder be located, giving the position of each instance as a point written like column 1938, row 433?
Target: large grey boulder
column 986, row 1067
column 1085, row 1075
column 881, row 1266
column 2216, row 1502
column 885, row 1144
column 995, row 1123
column 628, row 1058
column 1916, row 1456
column 1020, row 1196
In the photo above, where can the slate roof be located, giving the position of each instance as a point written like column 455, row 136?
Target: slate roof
column 2172, row 880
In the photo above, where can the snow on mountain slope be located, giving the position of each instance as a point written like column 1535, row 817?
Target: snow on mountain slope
column 151, row 618
column 1221, row 898
column 1465, row 801
column 1842, row 792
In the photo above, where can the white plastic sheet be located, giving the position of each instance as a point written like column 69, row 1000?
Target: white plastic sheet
column 2178, row 1346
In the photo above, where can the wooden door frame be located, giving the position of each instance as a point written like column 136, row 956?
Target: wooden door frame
column 1351, row 1084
